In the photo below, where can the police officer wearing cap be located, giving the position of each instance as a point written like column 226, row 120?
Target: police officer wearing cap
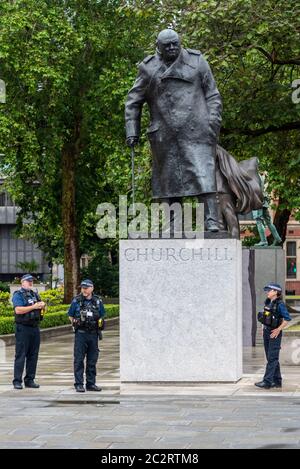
column 29, row 310
column 274, row 318
column 86, row 315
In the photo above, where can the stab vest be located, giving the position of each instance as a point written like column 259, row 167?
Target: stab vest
column 271, row 316
column 89, row 313
column 33, row 317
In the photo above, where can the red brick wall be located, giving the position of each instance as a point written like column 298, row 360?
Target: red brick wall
column 295, row 232
column 293, row 285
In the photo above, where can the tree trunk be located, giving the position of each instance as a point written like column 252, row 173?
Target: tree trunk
column 281, row 219
column 71, row 244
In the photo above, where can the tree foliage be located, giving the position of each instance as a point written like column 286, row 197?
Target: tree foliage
column 68, row 65
column 62, row 137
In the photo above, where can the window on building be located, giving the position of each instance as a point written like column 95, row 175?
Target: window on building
column 84, row 261
column 2, row 199
column 291, row 259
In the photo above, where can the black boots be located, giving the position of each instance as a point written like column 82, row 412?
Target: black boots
column 32, row 384
column 263, row 385
column 79, row 388
column 28, row 384
column 18, row 386
column 93, row 387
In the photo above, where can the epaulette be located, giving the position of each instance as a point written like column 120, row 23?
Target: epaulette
column 97, row 297
column 148, row 58
column 194, row 51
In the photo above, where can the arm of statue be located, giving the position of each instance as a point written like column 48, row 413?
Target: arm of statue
column 213, row 98
column 133, row 107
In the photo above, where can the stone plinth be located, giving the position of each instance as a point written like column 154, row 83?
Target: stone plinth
column 249, row 298
column 269, row 267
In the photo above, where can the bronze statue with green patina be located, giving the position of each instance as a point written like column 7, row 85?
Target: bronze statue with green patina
column 263, row 219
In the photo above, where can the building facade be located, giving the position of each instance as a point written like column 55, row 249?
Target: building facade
column 13, row 250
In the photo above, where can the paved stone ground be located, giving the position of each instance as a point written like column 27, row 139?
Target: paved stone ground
column 148, row 416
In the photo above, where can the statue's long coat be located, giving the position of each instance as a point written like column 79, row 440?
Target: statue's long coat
column 241, row 179
column 185, row 111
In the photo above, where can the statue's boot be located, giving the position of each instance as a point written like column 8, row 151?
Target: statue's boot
column 263, row 240
column 277, row 239
column 175, row 221
column 211, row 212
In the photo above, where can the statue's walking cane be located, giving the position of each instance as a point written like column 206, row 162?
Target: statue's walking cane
column 132, row 174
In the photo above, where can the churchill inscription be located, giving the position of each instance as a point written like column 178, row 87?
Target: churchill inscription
column 182, row 254
column 180, row 310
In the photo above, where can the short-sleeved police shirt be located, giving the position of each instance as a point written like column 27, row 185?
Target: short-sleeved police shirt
column 282, row 310
column 19, row 299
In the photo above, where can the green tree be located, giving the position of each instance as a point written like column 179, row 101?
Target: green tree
column 59, row 60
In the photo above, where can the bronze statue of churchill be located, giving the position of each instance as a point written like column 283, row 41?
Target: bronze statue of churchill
column 185, row 110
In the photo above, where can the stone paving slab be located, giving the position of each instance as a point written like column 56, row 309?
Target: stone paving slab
column 145, row 416
column 215, row 425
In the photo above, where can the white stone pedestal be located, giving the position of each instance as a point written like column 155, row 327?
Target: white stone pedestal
column 181, row 310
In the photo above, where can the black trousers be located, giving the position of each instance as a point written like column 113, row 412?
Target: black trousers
column 27, row 349
column 85, row 346
column 272, row 350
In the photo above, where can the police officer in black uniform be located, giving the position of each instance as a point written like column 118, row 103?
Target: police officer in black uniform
column 29, row 310
column 274, row 318
column 86, row 315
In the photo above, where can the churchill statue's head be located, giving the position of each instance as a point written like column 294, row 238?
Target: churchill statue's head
column 168, row 45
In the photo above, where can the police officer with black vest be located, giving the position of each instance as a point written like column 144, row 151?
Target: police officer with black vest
column 274, row 318
column 86, row 315
column 29, row 311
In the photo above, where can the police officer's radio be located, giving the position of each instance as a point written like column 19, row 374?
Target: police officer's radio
column 269, row 318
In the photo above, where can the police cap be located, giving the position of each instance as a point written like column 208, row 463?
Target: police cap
column 28, row 277
column 273, row 286
column 86, row 283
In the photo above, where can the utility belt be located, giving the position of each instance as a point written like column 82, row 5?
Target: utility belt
column 87, row 327
column 29, row 325
column 84, row 331
column 91, row 325
column 269, row 318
